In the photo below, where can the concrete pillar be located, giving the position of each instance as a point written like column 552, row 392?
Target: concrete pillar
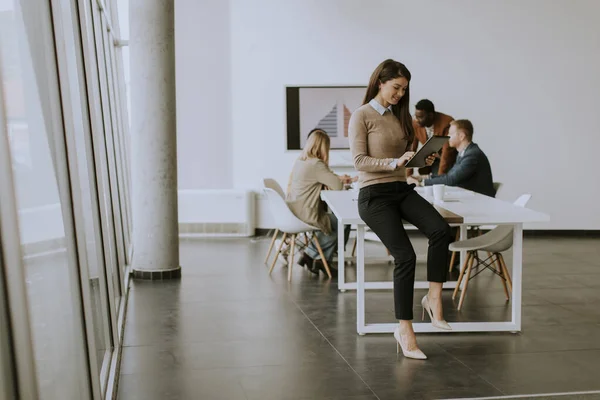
column 153, row 139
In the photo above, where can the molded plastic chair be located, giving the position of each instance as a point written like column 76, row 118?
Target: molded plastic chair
column 494, row 242
column 497, row 186
column 272, row 184
column 290, row 225
column 476, row 230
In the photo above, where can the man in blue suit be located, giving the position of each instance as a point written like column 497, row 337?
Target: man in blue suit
column 472, row 170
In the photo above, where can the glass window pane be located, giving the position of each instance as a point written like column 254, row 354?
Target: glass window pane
column 7, row 378
column 77, row 125
column 118, row 147
column 107, row 172
column 52, row 288
column 111, row 139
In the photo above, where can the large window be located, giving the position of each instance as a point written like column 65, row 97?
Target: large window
column 64, row 127
column 51, row 275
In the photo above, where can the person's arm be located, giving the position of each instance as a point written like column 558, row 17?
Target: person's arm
column 358, row 145
column 325, row 176
column 457, row 174
column 448, row 157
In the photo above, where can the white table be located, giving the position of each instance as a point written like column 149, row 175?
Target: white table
column 475, row 209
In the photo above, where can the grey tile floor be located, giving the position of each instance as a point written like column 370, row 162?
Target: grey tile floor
column 228, row 330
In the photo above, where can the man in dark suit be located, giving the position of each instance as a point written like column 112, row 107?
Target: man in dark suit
column 472, row 170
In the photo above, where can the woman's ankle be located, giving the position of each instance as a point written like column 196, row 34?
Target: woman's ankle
column 435, row 290
column 434, row 296
column 406, row 326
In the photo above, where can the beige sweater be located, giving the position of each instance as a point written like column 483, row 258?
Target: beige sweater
column 376, row 141
column 304, row 192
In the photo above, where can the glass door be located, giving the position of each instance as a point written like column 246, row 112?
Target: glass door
column 7, row 365
column 73, row 46
column 33, row 122
column 105, row 162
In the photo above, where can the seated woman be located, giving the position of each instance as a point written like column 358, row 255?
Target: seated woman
column 310, row 175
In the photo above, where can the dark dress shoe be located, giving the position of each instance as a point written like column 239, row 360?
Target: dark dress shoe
column 309, row 263
column 305, row 260
column 319, row 266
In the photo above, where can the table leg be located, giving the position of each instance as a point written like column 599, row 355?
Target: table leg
column 341, row 256
column 517, row 275
column 360, row 280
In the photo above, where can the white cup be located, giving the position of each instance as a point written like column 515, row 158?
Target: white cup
column 438, row 192
column 428, row 191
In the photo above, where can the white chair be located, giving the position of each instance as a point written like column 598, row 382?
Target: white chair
column 494, row 243
column 497, row 186
column 287, row 223
column 474, row 230
column 272, row 184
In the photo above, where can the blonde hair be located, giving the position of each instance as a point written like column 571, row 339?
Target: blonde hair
column 317, row 146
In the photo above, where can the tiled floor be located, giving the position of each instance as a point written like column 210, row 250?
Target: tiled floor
column 229, row 331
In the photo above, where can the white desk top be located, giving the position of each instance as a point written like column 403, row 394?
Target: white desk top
column 476, row 209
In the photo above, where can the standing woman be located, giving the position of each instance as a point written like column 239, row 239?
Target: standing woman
column 380, row 133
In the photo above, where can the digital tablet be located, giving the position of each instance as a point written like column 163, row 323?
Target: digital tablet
column 433, row 145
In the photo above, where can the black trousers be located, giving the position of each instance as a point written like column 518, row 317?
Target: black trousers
column 383, row 207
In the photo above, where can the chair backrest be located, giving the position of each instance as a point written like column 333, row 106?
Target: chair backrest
column 522, row 200
column 283, row 217
column 272, row 184
column 497, row 186
column 503, row 234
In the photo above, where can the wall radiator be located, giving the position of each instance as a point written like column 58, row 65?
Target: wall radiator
column 216, row 212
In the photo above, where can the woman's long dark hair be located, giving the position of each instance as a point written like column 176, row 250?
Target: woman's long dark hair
column 388, row 70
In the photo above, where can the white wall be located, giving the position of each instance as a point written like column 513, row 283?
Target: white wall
column 525, row 73
column 203, row 73
column 531, row 89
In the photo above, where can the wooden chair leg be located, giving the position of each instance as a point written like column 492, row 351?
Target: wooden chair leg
column 354, row 247
column 500, row 268
column 461, row 275
column 454, row 252
column 452, row 261
column 322, row 256
column 291, row 258
column 277, row 253
column 271, row 245
column 468, row 276
column 506, row 274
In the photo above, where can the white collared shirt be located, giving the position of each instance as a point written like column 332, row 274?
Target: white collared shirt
column 429, row 130
column 430, row 133
column 378, row 107
column 462, row 153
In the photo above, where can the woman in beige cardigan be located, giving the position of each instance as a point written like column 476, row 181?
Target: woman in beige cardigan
column 310, row 175
column 381, row 133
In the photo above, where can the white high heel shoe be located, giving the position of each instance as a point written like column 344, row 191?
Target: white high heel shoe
column 417, row 354
column 441, row 324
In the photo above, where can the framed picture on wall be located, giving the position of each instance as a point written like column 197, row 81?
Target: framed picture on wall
column 324, row 107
